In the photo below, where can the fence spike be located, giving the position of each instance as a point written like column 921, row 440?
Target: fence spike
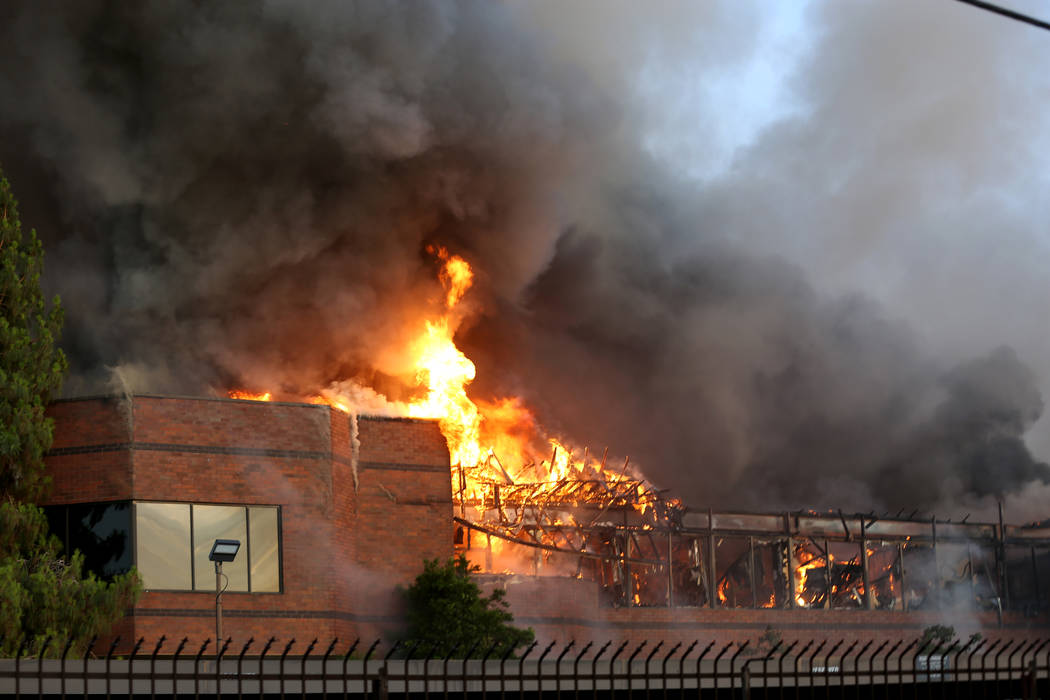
column 529, row 650
column 397, row 644
column 570, row 645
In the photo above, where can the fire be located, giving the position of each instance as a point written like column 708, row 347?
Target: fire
column 806, row 561
column 488, row 441
column 249, row 396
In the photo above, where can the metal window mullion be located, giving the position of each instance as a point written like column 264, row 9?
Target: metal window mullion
column 248, row 545
column 280, row 550
column 193, row 563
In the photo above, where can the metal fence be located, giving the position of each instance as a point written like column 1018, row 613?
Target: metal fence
column 815, row 669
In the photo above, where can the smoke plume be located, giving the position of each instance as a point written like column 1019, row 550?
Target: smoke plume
column 242, row 195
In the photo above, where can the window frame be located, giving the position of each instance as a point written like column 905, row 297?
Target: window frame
column 247, row 545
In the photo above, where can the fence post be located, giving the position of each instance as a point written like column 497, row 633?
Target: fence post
column 576, row 670
column 484, row 670
column 630, row 668
column 284, row 655
column 364, row 667
column 732, row 664
column 681, row 668
column 62, row 666
column 152, row 669
column 717, row 674
column 612, row 668
column 174, row 668
column 240, row 667
column 40, row 666
column 521, row 670
column 380, row 686
column 324, row 668
column 860, row 657
column 131, row 665
column 557, row 667
column 502, row 672
column 346, row 659
column 842, row 663
column 302, row 668
column 444, row 670
column 594, row 668
column 997, row 655
column 109, row 660
column 196, row 670
column 648, row 659
column 262, row 664
column 663, row 669
column 969, row 664
column 984, row 656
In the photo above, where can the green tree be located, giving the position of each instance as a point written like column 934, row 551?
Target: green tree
column 31, row 367
column 447, row 611
column 42, row 593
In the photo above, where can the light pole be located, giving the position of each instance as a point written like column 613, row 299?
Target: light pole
column 222, row 550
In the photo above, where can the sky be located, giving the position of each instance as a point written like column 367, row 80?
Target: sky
column 782, row 254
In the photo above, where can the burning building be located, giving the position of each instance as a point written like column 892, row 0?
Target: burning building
column 337, row 510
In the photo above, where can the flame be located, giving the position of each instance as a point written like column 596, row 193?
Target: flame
column 250, row 396
column 490, row 443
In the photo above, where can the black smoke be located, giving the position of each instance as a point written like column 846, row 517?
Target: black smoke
column 242, row 195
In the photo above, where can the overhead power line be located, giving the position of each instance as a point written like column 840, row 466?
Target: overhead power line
column 1027, row 19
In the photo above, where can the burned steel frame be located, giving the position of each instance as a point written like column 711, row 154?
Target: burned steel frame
column 1016, row 668
column 630, row 533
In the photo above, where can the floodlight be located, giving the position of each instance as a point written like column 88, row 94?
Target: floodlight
column 224, row 550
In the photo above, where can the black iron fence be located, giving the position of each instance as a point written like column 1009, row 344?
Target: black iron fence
column 814, row 669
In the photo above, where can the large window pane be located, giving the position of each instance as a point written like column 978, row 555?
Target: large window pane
column 219, row 522
column 102, row 531
column 265, row 553
column 162, row 545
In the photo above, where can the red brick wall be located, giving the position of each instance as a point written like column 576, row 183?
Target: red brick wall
column 86, row 462
column 404, row 512
column 564, row 608
column 345, row 547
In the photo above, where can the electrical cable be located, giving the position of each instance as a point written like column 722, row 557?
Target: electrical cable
column 1027, row 19
column 224, row 587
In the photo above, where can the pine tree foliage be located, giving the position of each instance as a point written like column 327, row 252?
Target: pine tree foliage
column 31, row 367
column 43, row 592
column 447, row 613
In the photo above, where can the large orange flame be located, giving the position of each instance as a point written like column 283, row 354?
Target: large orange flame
column 488, row 441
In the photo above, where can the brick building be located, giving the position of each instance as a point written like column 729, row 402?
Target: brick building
column 334, row 512
column 329, row 528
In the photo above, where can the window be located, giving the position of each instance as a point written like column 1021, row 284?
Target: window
column 102, row 531
column 173, row 541
column 162, row 545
